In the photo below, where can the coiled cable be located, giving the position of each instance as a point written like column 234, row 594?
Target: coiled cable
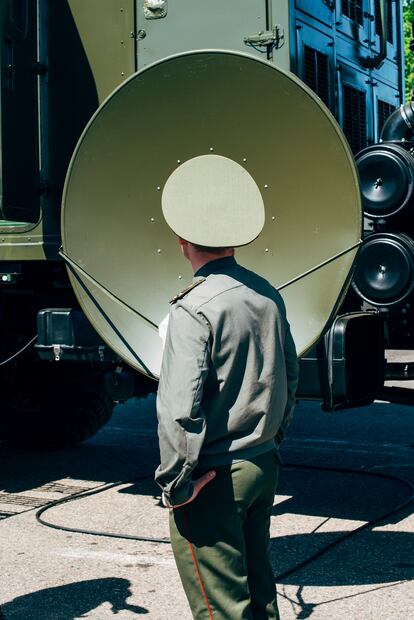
column 281, row 576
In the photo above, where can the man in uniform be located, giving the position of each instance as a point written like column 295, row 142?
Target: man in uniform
column 226, row 395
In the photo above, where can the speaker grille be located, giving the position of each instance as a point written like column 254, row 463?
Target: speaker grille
column 316, row 72
column 390, row 29
column 384, row 110
column 355, row 117
column 353, row 10
column 384, row 271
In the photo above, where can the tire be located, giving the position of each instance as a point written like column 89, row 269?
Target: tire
column 56, row 413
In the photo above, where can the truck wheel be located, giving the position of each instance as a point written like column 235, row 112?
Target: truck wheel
column 56, row 416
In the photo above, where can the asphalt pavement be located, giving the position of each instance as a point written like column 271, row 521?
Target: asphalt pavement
column 341, row 472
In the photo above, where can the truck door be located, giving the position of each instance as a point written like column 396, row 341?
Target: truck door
column 19, row 113
column 166, row 27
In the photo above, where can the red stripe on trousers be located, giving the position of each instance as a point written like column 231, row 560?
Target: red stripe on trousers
column 210, row 613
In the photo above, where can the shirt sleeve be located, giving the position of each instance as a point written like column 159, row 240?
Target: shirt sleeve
column 181, row 420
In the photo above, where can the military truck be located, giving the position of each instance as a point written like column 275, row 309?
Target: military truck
column 60, row 60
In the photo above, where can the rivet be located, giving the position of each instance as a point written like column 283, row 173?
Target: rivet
column 211, row 148
column 267, row 249
column 180, row 277
column 266, row 186
column 273, row 218
column 153, row 219
column 122, row 73
column 4, row 278
column 178, row 161
column 158, row 188
column 159, row 251
column 244, row 159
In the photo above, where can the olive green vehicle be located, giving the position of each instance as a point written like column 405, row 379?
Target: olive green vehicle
column 61, row 60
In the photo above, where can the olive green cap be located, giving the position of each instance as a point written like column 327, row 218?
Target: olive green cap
column 213, row 201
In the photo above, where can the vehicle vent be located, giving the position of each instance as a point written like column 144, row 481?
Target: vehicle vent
column 355, row 117
column 390, row 29
column 384, row 110
column 316, row 72
column 353, row 10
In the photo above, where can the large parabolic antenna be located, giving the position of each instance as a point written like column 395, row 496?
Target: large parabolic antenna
column 124, row 262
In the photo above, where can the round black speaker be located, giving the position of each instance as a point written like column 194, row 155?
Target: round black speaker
column 384, row 270
column 386, row 172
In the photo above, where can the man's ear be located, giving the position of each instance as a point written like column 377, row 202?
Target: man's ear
column 183, row 246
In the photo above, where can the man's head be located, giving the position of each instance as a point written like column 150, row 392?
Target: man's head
column 199, row 255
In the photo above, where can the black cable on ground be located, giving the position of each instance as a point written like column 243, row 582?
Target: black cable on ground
column 81, row 495
column 279, row 577
column 367, row 525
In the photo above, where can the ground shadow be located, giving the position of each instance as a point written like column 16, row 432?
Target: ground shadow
column 358, row 496
column 125, row 447
column 71, row 601
column 370, row 557
column 373, row 557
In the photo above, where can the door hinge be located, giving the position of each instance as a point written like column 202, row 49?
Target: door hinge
column 40, row 68
column 274, row 38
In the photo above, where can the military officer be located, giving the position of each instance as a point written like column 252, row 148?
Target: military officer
column 226, row 394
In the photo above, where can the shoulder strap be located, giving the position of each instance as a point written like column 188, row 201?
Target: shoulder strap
column 187, row 290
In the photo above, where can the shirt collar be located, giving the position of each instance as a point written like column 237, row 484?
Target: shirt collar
column 215, row 266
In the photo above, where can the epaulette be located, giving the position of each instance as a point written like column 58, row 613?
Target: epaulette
column 187, row 290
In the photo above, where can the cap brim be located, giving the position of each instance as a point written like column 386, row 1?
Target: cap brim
column 213, row 201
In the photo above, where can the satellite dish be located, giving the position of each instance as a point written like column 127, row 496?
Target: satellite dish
column 123, row 259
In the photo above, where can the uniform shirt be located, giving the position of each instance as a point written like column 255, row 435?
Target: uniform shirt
column 228, row 377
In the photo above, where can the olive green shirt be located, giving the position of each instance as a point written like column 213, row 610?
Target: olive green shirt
column 228, row 377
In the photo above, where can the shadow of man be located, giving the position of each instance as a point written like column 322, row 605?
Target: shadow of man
column 71, row 601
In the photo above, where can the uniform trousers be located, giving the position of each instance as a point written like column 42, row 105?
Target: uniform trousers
column 221, row 542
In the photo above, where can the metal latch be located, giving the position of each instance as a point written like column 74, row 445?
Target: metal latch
column 275, row 38
column 155, row 9
column 57, row 350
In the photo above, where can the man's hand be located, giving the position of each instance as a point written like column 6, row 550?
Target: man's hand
column 197, row 486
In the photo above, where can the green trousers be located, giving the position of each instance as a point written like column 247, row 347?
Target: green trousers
column 221, row 542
